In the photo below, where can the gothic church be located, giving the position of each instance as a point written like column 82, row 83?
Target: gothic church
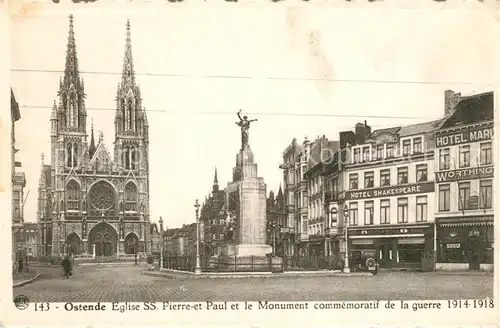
column 92, row 203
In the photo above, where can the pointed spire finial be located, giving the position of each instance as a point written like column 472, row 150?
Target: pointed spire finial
column 128, row 66
column 92, row 147
column 43, row 158
column 216, row 181
column 101, row 136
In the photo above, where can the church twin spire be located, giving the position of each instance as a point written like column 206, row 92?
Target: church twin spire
column 71, row 111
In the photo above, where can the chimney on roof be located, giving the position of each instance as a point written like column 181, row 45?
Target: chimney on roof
column 451, row 99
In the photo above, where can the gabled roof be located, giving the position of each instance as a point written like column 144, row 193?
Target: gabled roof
column 101, row 155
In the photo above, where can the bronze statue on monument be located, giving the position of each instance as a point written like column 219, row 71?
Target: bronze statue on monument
column 244, row 124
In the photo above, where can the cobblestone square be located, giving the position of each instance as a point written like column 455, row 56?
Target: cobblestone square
column 127, row 283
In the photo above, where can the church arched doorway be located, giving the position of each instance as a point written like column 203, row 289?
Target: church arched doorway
column 131, row 244
column 104, row 237
column 73, row 244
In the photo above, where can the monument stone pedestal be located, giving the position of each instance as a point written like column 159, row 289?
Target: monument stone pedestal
column 246, row 198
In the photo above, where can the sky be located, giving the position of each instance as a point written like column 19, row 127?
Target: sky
column 300, row 71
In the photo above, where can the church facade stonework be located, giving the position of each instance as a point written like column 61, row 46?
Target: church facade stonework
column 92, row 203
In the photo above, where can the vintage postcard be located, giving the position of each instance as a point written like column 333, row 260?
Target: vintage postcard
column 217, row 163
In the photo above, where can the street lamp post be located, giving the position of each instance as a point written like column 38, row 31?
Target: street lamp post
column 197, row 269
column 346, row 222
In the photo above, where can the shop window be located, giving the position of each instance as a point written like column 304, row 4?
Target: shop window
column 385, row 178
column 464, row 196
column 353, row 214
column 403, row 210
column 417, row 145
column 444, row 159
column 369, row 212
column 390, row 151
column 453, row 253
column 486, row 194
column 486, row 153
column 353, row 181
column 421, row 172
column 402, row 175
column 464, row 156
column 385, row 210
column 406, row 147
column 421, row 208
column 410, row 253
column 369, row 179
column 444, row 198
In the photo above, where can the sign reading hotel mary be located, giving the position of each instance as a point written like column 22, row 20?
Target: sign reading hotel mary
column 418, row 188
column 471, row 134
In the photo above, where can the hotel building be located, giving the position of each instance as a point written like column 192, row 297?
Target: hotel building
column 389, row 194
column 464, row 184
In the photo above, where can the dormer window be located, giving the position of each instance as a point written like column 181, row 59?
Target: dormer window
column 390, row 151
column 417, row 145
column 366, row 153
column 380, row 151
column 406, row 147
column 357, row 155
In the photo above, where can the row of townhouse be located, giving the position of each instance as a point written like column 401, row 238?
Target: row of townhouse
column 404, row 193
column 18, row 179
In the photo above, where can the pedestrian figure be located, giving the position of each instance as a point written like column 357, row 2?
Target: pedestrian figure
column 66, row 264
column 20, row 266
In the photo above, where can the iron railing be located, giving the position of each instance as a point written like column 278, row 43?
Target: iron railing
column 253, row 264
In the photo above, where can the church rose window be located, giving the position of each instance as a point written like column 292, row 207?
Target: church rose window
column 102, row 197
column 73, row 196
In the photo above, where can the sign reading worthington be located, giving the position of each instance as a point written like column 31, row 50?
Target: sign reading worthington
column 465, row 174
column 472, row 134
column 418, row 188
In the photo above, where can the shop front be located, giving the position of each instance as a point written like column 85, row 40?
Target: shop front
column 465, row 243
column 395, row 247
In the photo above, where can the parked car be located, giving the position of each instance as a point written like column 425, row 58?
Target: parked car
column 364, row 261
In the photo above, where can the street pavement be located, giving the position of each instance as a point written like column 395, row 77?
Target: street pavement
column 127, row 283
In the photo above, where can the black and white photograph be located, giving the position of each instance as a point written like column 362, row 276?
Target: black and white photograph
column 265, row 153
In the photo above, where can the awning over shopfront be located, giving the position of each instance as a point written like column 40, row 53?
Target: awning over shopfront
column 465, row 221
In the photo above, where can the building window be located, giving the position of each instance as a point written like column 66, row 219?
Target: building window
column 304, row 226
column 417, row 145
column 73, row 196
column 421, row 172
column 369, row 179
column 421, row 208
column 444, row 159
column 402, row 175
column 353, row 181
column 486, row 194
column 385, row 210
column 368, row 212
column 464, row 156
column 390, row 151
column 464, row 196
column 402, row 210
column 130, row 197
column 444, row 198
column 356, row 157
column 366, row 154
column 406, row 147
column 486, row 153
column 353, row 214
column 385, row 178
column 380, row 151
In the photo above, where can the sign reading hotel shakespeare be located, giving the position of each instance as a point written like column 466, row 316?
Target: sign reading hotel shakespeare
column 465, row 174
column 471, row 134
column 418, row 188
